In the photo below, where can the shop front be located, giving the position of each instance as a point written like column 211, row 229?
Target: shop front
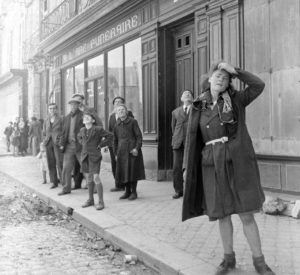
column 150, row 51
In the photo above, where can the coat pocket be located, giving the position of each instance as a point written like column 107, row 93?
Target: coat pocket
column 207, row 157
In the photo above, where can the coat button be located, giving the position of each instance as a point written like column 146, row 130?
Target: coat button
column 207, row 126
column 221, row 124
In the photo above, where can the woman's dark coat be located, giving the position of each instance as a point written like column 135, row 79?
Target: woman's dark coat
column 246, row 173
column 127, row 136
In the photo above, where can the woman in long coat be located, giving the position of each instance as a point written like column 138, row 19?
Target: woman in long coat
column 127, row 148
column 220, row 168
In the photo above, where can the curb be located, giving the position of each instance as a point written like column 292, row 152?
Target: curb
column 162, row 257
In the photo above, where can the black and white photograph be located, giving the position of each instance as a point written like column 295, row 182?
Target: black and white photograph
column 149, row 137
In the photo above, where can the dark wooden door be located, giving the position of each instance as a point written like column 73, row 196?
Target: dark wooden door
column 183, row 39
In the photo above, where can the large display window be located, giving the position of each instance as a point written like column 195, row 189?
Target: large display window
column 117, row 72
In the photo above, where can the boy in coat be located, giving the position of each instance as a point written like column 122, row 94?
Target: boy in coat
column 92, row 138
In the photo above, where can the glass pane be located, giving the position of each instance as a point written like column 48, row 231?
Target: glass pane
column 133, row 79
column 115, row 75
column 68, row 87
column 101, row 97
column 95, row 66
column 90, row 99
column 79, row 78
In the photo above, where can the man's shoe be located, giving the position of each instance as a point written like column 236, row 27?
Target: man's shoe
column 53, row 186
column 117, row 189
column 177, row 195
column 133, row 196
column 63, row 193
column 44, row 182
column 76, row 187
column 88, row 203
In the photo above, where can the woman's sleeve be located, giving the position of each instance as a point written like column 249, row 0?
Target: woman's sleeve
column 138, row 135
column 254, row 87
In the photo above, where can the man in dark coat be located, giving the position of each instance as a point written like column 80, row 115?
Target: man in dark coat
column 111, row 125
column 7, row 132
column 127, row 148
column 69, row 144
column 52, row 130
column 179, row 126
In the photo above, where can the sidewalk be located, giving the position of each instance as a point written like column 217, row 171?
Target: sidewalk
column 151, row 226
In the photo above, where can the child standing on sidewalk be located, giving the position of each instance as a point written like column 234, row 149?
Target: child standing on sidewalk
column 44, row 164
column 92, row 138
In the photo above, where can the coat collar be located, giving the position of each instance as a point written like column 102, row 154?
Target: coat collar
column 127, row 119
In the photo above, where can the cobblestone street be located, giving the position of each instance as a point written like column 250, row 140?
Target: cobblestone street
column 34, row 240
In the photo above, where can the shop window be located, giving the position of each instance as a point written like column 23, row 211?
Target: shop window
column 68, row 80
column 79, row 79
column 95, row 66
column 133, row 79
column 115, row 69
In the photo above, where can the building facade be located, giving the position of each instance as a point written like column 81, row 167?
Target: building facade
column 149, row 51
column 13, row 76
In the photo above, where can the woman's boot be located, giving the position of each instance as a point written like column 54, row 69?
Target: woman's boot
column 227, row 264
column 261, row 266
column 44, row 177
column 133, row 195
column 99, row 188
column 127, row 192
column 90, row 201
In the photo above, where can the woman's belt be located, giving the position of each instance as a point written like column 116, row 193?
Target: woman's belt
column 214, row 141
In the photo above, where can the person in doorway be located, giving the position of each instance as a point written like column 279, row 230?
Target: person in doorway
column 127, row 149
column 220, row 168
column 111, row 125
column 69, row 144
column 179, row 126
column 92, row 138
column 52, row 131
column 23, row 127
column 8, row 132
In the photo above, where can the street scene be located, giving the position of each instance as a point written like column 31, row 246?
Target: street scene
column 149, row 137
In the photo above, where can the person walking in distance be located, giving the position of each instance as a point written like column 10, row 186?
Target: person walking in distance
column 179, row 126
column 52, row 131
column 111, row 125
column 127, row 149
column 8, row 132
column 92, row 138
column 220, row 168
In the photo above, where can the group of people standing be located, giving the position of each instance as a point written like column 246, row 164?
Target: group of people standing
column 73, row 149
column 23, row 136
column 215, row 168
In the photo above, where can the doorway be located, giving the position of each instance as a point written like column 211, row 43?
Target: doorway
column 183, row 44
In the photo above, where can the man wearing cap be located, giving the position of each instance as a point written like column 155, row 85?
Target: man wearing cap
column 179, row 126
column 111, row 125
column 69, row 144
column 7, row 132
column 77, row 175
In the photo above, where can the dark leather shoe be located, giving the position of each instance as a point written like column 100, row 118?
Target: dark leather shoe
column 76, row 187
column 63, row 193
column 177, row 195
column 133, row 196
column 117, row 189
column 53, row 186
